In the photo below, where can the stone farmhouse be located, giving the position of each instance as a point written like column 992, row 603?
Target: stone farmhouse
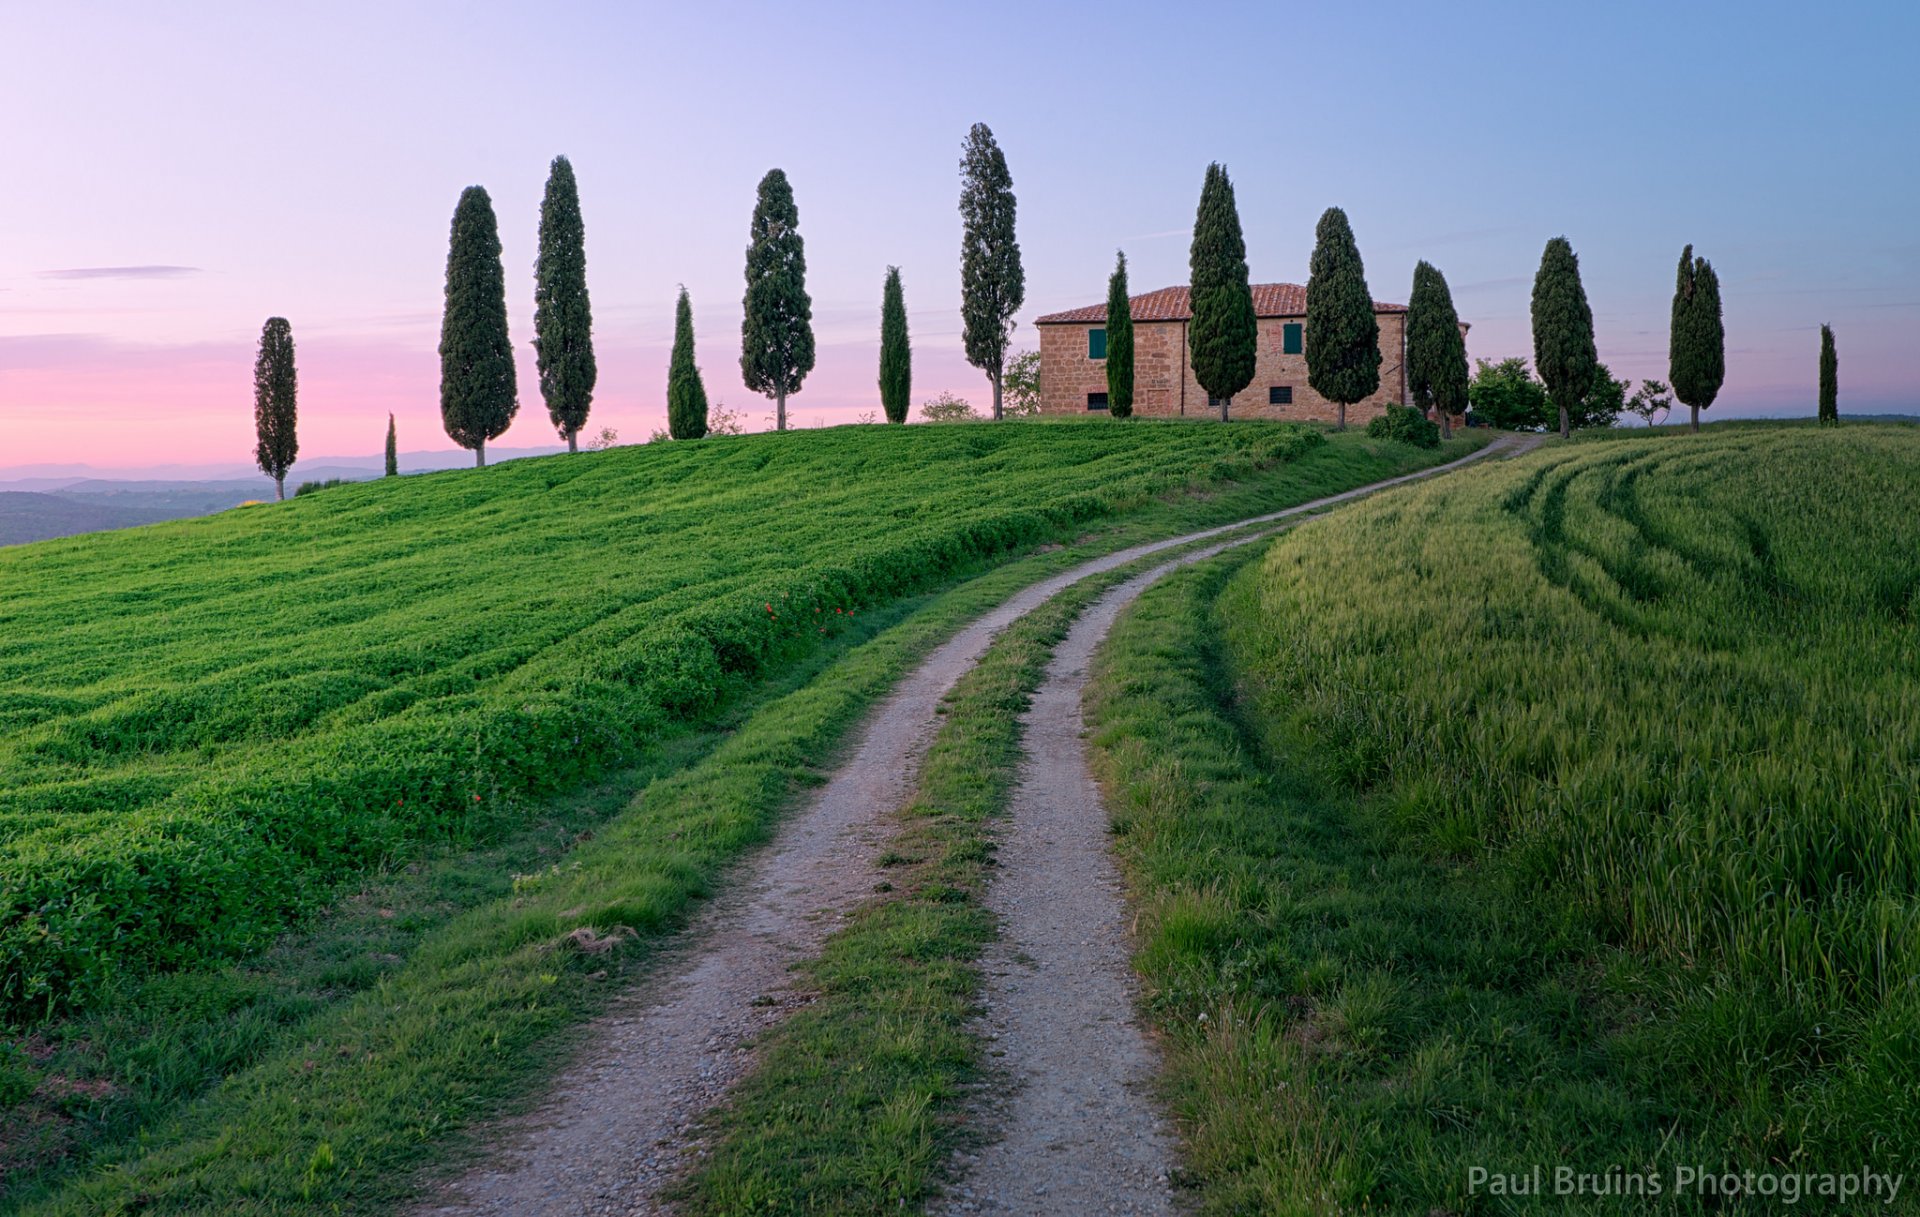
column 1073, row 360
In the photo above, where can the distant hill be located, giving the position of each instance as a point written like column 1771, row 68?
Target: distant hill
column 27, row 515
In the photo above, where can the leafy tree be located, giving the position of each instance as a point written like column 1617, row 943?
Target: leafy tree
column 896, row 353
column 776, row 332
column 1022, row 381
column 1603, row 402
column 562, row 316
column 992, row 284
column 1222, row 337
column 1697, row 341
column 1436, row 350
column 1119, row 342
column 1829, row 379
column 948, row 408
column 1650, row 402
column 393, row 450
column 1563, row 331
column 1506, row 395
column 479, row 392
column 1343, row 335
column 686, row 395
column 275, row 412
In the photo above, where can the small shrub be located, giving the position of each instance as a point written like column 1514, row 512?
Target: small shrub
column 949, row 408
column 1406, row 424
column 315, row 487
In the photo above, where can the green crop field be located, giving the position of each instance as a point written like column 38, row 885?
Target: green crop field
column 203, row 724
column 1652, row 707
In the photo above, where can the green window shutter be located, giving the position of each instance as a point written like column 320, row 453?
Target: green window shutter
column 1096, row 344
column 1290, row 339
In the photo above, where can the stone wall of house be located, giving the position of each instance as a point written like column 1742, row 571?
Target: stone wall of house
column 1163, row 381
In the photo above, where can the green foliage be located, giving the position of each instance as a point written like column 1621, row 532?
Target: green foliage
column 1406, row 424
column 393, row 449
column 776, row 329
column 1119, row 342
column 993, row 284
column 1506, row 395
column 686, row 392
column 896, row 352
column 949, row 408
column 1697, row 339
column 1022, row 380
column 1650, row 402
column 1829, row 379
column 176, row 786
column 1563, row 347
column 562, row 313
column 1663, row 698
column 1436, row 349
column 1223, row 337
column 317, row 486
column 478, row 393
column 1343, row 335
column 275, row 408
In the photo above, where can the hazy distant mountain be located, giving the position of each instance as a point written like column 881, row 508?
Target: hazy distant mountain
column 39, row 502
column 28, row 516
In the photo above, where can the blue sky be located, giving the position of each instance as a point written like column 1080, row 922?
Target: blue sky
column 306, row 162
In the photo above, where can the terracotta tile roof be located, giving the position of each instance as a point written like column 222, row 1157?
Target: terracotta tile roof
column 1172, row 304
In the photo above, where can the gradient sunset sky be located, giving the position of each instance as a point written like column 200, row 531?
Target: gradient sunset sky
column 175, row 174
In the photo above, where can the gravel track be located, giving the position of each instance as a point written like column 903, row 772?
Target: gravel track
column 618, row 1123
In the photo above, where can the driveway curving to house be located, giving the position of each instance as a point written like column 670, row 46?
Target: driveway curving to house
column 617, row 1125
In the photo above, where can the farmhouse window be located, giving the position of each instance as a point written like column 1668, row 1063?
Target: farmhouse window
column 1096, row 401
column 1096, row 344
column 1280, row 395
column 1290, row 338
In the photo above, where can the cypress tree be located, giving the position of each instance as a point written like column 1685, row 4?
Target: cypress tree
column 1697, row 339
column 896, row 354
column 1563, row 350
column 1436, row 350
column 992, row 284
column 562, row 316
column 479, row 392
column 393, row 450
column 776, row 333
column 1343, row 335
column 686, row 395
column 1119, row 342
column 275, row 386
column 1223, row 337
column 1829, row 379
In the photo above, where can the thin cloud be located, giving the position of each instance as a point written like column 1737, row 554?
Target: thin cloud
column 121, row 272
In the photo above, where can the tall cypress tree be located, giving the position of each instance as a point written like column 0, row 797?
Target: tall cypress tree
column 1343, row 335
column 1697, row 339
column 776, row 334
column 1223, row 336
column 479, row 392
column 1829, row 379
column 896, row 354
column 993, row 285
column 1563, row 350
column 686, row 395
column 1436, row 350
column 562, row 316
column 1119, row 342
column 275, row 386
column 393, row 449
